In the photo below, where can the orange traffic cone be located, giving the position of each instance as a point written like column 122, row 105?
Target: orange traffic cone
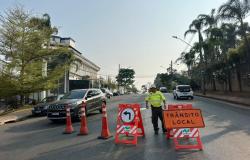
column 84, row 129
column 105, row 129
column 69, row 128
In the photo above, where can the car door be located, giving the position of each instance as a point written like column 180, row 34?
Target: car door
column 98, row 99
column 90, row 100
column 95, row 96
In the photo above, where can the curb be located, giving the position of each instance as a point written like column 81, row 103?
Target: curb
column 225, row 100
column 23, row 118
column 15, row 119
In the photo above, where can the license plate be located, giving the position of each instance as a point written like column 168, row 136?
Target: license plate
column 184, row 93
column 55, row 114
column 37, row 111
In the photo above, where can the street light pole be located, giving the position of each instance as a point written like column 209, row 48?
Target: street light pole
column 203, row 83
column 182, row 40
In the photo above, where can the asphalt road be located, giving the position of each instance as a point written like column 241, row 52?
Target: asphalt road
column 226, row 136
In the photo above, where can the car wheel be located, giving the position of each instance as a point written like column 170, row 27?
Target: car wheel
column 192, row 98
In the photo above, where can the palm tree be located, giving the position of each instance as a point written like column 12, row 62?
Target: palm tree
column 210, row 45
column 196, row 27
column 229, row 31
column 236, row 10
column 209, row 21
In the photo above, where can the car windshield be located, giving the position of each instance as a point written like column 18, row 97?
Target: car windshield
column 184, row 88
column 49, row 99
column 77, row 94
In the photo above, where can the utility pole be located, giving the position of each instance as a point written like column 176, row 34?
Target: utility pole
column 171, row 68
column 118, row 74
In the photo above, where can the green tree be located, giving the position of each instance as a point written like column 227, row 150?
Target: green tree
column 133, row 89
column 209, row 20
column 125, row 77
column 170, row 81
column 188, row 58
column 196, row 27
column 24, row 42
column 237, row 10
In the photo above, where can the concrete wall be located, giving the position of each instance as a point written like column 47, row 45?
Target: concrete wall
column 245, row 82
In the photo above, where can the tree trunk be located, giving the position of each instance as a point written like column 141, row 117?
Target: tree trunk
column 225, row 86
column 214, row 85
column 200, row 47
column 202, row 63
column 229, row 81
column 246, row 42
column 22, row 100
column 204, row 85
column 239, row 78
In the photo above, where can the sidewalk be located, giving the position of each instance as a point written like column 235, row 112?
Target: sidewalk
column 242, row 98
column 15, row 116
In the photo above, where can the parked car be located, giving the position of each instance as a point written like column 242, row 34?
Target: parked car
column 41, row 107
column 93, row 98
column 163, row 89
column 107, row 92
column 116, row 93
column 183, row 91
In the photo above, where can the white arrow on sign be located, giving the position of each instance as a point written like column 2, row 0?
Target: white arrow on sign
column 128, row 115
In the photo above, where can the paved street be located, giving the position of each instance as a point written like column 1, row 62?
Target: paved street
column 226, row 136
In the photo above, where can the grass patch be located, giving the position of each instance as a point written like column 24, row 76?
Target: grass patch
column 10, row 109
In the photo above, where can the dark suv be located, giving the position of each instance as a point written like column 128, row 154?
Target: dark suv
column 41, row 108
column 92, row 97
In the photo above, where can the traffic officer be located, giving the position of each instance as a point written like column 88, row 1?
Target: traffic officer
column 155, row 99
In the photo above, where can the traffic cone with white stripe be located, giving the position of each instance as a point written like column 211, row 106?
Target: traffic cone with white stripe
column 84, row 129
column 105, row 134
column 69, row 128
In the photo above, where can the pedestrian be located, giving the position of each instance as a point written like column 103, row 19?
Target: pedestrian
column 155, row 99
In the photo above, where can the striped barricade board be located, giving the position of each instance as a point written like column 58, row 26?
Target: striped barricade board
column 129, row 124
column 183, row 122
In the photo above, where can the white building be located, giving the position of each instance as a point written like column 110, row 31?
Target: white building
column 79, row 71
column 85, row 69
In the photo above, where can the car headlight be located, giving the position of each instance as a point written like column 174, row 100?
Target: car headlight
column 72, row 104
column 46, row 107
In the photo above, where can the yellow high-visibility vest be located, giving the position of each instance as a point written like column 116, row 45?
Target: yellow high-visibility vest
column 155, row 99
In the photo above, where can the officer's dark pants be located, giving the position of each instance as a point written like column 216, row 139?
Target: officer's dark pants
column 157, row 113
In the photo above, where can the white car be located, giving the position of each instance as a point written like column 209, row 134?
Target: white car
column 183, row 91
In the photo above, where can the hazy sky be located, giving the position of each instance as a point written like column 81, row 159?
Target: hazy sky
column 132, row 33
